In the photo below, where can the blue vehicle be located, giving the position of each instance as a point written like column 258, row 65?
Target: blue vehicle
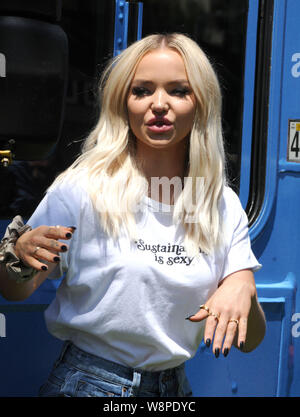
column 51, row 56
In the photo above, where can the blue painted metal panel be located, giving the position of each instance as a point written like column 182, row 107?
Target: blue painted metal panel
column 121, row 24
column 27, row 352
column 276, row 230
column 140, row 21
column 289, row 172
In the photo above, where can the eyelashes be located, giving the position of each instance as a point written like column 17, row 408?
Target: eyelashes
column 181, row 92
column 140, row 92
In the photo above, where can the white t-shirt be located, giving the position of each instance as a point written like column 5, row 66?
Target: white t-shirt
column 128, row 303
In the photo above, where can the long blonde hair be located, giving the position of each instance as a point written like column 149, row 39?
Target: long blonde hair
column 107, row 162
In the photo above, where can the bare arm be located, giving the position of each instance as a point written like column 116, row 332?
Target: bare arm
column 234, row 300
column 43, row 260
column 256, row 327
column 252, row 325
column 13, row 291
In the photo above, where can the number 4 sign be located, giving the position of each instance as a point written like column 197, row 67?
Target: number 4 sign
column 294, row 141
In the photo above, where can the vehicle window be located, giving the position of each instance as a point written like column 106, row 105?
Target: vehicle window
column 89, row 26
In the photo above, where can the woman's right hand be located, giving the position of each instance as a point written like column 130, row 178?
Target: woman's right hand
column 41, row 244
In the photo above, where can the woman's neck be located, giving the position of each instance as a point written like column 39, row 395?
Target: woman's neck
column 164, row 170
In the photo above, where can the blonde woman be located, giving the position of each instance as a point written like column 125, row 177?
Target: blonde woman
column 159, row 235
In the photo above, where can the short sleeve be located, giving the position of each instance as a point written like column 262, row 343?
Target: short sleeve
column 239, row 252
column 53, row 211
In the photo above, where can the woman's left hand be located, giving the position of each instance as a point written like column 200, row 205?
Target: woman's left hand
column 233, row 315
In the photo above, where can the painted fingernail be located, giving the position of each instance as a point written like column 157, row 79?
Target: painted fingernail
column 68, row 235
column 44, row 268
column 207, row 342
column 64, row 248
column 187, row 318
column 72, row 227
column 56, row 259
column 226, row 351
column 242, row 344
column 217, row 352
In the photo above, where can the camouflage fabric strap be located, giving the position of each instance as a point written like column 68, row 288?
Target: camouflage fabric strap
column 14, row 266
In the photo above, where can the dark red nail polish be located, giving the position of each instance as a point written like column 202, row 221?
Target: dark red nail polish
column 217, row 352
column 64, row 248
column 226, row 351
column 44, row 268
column 56, row 259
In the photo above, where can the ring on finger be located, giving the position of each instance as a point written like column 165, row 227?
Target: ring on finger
column 215, row 315
column 204, row 307
column 233, row 321
column 36, row 249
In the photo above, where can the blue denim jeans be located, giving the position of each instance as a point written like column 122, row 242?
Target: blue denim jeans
column 80, row 374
